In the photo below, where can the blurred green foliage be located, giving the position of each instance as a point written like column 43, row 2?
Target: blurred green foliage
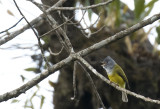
column 158, row 34
column 142, row 9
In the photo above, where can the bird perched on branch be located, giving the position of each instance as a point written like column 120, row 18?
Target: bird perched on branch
column 116, row 75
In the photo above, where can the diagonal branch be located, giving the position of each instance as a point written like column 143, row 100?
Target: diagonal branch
column 120, row 34
column 114, row 85
column 34, row 81
column 11, row 26
column 34, row 23
column 39, row 42
column 82, row 53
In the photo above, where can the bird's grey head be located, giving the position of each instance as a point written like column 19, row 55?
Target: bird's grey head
column 108, row 64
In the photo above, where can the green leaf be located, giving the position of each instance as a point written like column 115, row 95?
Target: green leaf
column 114, row 9
column 26, row 104
column 151, row 3
column 98, row 1
column 34, row 94
column 150, row 7
column 42, row 101
column 15, row 101
column 90, row 12
column 158, row 37
column 118, row 14
column 23, row 78
column 139, row 8
column 31, row 69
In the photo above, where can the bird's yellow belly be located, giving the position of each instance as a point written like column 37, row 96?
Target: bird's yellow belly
column 117, row 79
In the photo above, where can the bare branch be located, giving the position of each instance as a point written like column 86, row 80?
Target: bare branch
column 120, row 34
column 82, row 8
column 74, row 82
column 56, row 27
column 39, row 42
column 66, row 43
column 89, row 35
column 59, row 3
column 55, row 54
column 34, row 23
column 11, row 26
column 34, row 81
column 114, row 85
column 87, row 27
column 51, row 23
column 38, row 4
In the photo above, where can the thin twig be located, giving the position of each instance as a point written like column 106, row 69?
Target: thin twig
column 55, row 54
column 87, row 27
column 51, row 23
column 74, row 82
column 66, row 43
column 84, row 20
column 39, row 42
column 56, row 27
column 82, row 8
column 93, row 85
column 89, row 35
column 78, row 22
column 11, row 27
column 34, row 23
column 59, row 3
column 38, row 4
column 81, row 28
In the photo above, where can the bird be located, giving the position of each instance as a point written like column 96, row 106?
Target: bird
column 116, row 75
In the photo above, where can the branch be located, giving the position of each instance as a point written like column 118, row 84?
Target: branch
column 34, row 81
column 82, row 8
column 84, row 62
column 66, row 43
column 120, row 34
column 11, row 26
column 39, row 42
column 55, row 54
column 59, row 3
column 74, row 82
column 52, row 30
column 34, row 23
column 84, row 52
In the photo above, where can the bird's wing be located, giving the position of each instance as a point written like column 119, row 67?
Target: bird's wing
column 118, row 69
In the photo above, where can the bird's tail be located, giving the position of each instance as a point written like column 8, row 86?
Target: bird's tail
column 124, row 97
